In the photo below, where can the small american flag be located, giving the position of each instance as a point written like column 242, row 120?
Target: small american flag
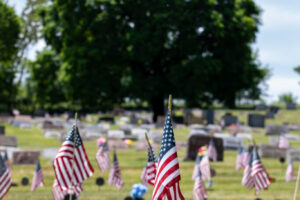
column 196, row 168
column 258, row 173
column 102, row 157
column 38, row 176
column 151, row 166
column 205, row 167
column 63, row 162
column 5, row 178
column 246, row 156
column 168, row 175
column 239, row 159
column 199, row 192
column 247, row 180
column 283, row 142
column 144, row 177
column 58, row 194
column 289, row 175
column 115, row 177
column 212, row 151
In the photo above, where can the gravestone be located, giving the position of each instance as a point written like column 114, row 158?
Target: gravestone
column 195, row 141
column 8, row 141
column 276, row 129
column 155, row 137
column 2, row 130
column 270, row 115
column 229, row 119
column 273, row 141
column 293, row 154
column 229, row 142
column 139, row 133
column 209, row 116
column 143, row 146
column 290, row 106
column 25, row 157
column 194, row 120
column 292, row 137
column 256, row 120
column 49, row 153
column 117, row 134
column 127, row 128
column 274, row 109
column 261, row 107
column 117, row 145
column 51, row 125
column 214, row 128
column 270, row 151
column 107, row 119
column 198, row 129
column 160, row 121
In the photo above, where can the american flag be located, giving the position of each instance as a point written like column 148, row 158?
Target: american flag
column 199, row 192
column 151, row 166
column 102, row 157
column 167, row 175
column 38, row 176
column 5, row 178
column 196, row 168
column 205, row 167
column 212, row 151
column 247, row 180
column 64, row 161
column 258, row 173
column 246, row 156
column 144, row 177
column 289, row 175
column 59, row 194
column 283, row 142
column 239, row 159
column 115, row 177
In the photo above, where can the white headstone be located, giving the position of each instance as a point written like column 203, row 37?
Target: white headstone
column 116, row 134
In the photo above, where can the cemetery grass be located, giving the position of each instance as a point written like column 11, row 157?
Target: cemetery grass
column 227, row 182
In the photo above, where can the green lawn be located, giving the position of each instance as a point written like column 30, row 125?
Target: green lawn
column 227, row 183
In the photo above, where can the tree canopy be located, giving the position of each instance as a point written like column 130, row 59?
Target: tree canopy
column 198, row 50
column 9, row 29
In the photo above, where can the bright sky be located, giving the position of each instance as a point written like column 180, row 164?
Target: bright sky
column 278, row 44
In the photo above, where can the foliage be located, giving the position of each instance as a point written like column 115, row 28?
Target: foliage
column 287, row 98
column 197, row 50
column 9, row 29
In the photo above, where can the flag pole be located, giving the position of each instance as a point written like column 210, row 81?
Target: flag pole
column 71, row 190
column 297, row 182
column 170, row 105
column 149, row 145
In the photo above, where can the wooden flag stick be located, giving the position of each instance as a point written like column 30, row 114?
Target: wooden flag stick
column 170, row 105
column 71, row 190
column 149, row 145
column 297, row 182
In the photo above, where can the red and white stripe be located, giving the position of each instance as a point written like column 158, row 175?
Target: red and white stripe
column 199, row 192
column 115, row 177
column 144, row 177
column 239, row 161
column 151, row 172
column 245, row 158
column 289, row 175
column 38, row 179
column 5, row 182
column 58, row 194
column 167, row 177
column 212, row 152
column 247, row 180
column 195, row 171
column 102, row 158
column 63, row 165
column 259, row 175
column 205, row 168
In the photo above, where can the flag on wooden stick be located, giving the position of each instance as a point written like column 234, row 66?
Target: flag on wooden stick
column 167, row 175
column 212, row 151
column 71, row 164
column 38, row 176
column 289, row 175
column 199, row 192
column 259, row 175
column 5, row 178
column 102, row 157
column 247, row 180
column 115, row 177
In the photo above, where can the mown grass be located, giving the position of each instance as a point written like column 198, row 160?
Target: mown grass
column 227, row 182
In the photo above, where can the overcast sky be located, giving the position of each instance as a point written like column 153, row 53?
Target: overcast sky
column 278, row 44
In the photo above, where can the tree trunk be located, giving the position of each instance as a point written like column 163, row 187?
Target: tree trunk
column 157, row 103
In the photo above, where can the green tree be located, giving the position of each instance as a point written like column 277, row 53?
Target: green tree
column 9, row 34
column 287, row 98
column 198, row 50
